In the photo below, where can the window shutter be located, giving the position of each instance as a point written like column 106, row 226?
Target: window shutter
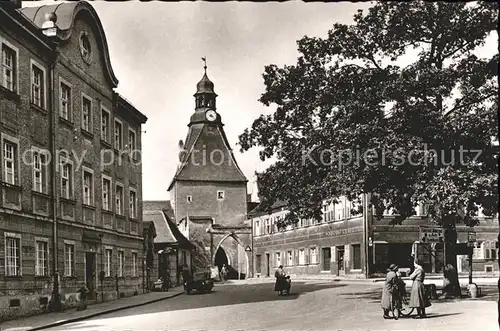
column 296, row 257
column 306, row 256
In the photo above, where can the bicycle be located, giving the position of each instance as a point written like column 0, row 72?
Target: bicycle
column 401, row 302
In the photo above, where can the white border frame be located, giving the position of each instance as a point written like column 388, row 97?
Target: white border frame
column 16, row 73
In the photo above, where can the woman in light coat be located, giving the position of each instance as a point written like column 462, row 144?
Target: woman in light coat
column 417, row 298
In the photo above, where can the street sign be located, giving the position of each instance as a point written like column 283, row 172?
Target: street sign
column 431, row 234
column 248, row 249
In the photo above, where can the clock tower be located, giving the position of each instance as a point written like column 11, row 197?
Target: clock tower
column 209, row 190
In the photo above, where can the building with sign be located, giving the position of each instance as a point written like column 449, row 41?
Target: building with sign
column 354, row 245
column 71, row 185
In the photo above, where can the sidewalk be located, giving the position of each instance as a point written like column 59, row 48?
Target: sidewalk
column 47, row 320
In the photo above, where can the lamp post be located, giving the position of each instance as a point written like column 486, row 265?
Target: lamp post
column 50, row 30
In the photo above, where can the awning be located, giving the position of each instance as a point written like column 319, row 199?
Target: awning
column 90, row 236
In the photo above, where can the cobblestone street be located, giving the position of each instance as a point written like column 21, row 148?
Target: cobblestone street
column 311, row 306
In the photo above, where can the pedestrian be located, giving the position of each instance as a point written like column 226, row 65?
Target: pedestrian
column 282, row 283
column 390, row 288
column 418, row 299
column 223, row 273
column 83, row 297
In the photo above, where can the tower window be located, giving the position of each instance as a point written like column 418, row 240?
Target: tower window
column 220, row 195
column 189, row 198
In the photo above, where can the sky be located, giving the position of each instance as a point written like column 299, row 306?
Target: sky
column 156, row 50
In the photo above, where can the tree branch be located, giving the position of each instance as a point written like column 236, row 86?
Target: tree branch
column 468, row 104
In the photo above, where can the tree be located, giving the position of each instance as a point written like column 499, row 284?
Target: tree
column 355, row 116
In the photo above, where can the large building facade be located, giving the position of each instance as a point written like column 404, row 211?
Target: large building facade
column 209, row 190
column 358, row 245
column 71, row 188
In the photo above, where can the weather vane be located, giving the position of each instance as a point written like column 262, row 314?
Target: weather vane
column 205, row 60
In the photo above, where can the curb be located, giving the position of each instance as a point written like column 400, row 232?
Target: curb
column 109, row 311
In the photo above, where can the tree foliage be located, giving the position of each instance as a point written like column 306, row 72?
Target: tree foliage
column 356, row 109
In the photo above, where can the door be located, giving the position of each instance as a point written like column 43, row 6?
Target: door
column 258, row 264
column 268, row 265
column 340, row 261
column 327, row 256
column 90, row 274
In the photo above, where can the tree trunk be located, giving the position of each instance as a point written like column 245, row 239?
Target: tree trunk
column 451, row 285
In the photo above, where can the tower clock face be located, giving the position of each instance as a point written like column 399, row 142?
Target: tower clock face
column 211, row 115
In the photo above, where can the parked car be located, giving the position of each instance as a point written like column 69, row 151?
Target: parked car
column 201, row 282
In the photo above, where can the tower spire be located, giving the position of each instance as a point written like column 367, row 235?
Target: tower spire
column 205, row 66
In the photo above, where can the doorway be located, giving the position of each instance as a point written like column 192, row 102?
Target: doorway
column 340, row 261
column 268, row 265
column 90, row 274
column 327, row 255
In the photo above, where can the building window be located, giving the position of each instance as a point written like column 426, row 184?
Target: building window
column 220, row 195
column 257, row 228
column 88, row 187
column 106, row 193
column 289, row 258
column 314, row 255
column 302, row 256
column 490, row 251
column 42, row 264
column 107, row 266
column 65, row 101
column 86, row 114
column 277, row 259
column 9, row 68
column 40, row 172
column 69, row 260
column 131, row 141
column 10, row 161
column 356, row 257
column 37, row 85
column 133, row 204
column 105, row 125
column 13, row 255
column 85, row 47
column 477, row 251
column 189, row 198
column 66, row 180
column 134, row 264
column 121, row 260
column 118, row 135
column 268, row 226
column 119, row 199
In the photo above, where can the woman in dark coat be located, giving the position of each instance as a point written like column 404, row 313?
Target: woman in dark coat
column 417, row 298
column 390, row 287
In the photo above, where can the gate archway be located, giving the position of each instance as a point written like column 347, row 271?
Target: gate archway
column 240, row 243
